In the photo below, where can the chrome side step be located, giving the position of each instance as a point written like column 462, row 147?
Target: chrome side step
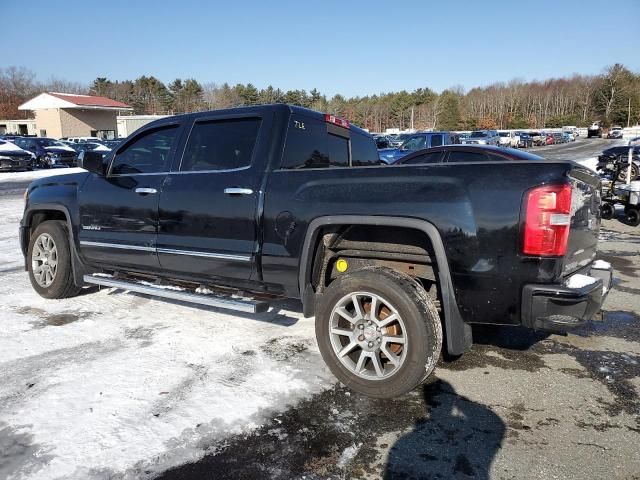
column 177, row 293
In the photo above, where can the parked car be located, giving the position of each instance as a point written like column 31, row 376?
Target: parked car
column 48, row 152
column 81, row 139
column 615, row 132
column 566, row 137
column 382, row 141
column 571, row 129
column 524, row 140
column 482, row 137
column 468, row 153
column 90, row 146
column 112, row 143
column 617, row 159
column 507, row 139
column 397, row 140
column 549, row 139
column 570, row 136
column 594, row 130
column 13, row 158
column 415, row 142
column 538, row 138
column 389, row 259
column 558, row 137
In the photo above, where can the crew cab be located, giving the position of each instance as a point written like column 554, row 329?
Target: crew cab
column 508, row 139
column 235, row 208
column 414, row 143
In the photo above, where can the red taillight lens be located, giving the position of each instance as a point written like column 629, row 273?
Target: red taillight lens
column 548, row 219
column 341, row 122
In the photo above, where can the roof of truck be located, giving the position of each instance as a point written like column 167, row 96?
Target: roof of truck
column 275, row 107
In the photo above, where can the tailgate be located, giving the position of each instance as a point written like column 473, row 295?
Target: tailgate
column 585, row 219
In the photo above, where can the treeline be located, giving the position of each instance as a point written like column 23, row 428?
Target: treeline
column 612, row 97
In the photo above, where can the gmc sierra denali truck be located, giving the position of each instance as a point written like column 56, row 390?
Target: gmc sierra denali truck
column 234, row 208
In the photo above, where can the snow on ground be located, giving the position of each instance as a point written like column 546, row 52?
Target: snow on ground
column 109, row 384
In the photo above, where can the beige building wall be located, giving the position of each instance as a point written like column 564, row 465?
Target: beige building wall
column 80, row 123
column 48, row 122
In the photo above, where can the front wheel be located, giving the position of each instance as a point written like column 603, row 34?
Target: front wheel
column 49, row 261
column 622, row 174
column 607, row 211
column 378, row 331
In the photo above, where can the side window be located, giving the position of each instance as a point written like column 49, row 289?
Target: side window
column 149, row 153
column 221, row 145
column 310, row 145
column 462, row 156
column 306, row 144
column 436, row 140
column 415, row 143
column 433, row 157
column 363, row 150
column 338, row 148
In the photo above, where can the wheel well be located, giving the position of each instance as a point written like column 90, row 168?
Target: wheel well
column 42, row 216
column 403, row 249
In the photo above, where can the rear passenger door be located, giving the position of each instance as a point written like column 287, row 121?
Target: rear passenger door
column 209, row 202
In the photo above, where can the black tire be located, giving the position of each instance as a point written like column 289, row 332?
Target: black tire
column 423, row 330
column 607, row 211
column 62, row 285
column 632, row 216
column 622, row 175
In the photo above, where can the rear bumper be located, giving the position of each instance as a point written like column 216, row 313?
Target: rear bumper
column 560, row 307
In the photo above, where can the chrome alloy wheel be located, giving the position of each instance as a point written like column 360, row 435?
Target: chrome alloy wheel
column 368, row 335
column 44, row 260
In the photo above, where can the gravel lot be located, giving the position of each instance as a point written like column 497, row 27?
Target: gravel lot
column 115, row 386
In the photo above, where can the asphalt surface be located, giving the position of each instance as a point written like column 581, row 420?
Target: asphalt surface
column 519, row 404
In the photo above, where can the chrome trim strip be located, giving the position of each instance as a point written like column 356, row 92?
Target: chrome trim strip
column 117, row 245
column 191, row 253
column 171, row 251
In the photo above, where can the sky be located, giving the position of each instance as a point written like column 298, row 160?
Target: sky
column 350, row 47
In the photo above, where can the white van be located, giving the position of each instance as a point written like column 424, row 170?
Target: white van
column 82, row 139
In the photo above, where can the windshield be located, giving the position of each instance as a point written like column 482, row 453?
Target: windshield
column 478, row 134
column 504, row 134
column 49, row 142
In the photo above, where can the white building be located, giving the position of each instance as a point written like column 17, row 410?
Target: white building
column 127, row 124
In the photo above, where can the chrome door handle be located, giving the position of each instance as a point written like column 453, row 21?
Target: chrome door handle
column 238, row 191
column 145, row 191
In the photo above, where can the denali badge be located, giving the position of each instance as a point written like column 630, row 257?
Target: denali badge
column 91, row 227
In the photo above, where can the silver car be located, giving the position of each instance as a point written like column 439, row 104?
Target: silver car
column 483, row 137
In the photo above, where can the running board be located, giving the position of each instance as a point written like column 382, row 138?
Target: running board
column 177, row 293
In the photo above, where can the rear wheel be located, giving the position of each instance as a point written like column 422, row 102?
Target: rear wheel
column 607, row 211
column 378, row 331
column 632, row 216
column 49, row 261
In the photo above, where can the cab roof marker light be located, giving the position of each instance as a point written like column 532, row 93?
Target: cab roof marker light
column 341, row 122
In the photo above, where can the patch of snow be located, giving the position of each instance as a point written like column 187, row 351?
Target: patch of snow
column 591, row 163
column 578, row 281
column 27, row 176
column 601, row 265
column 347, row 455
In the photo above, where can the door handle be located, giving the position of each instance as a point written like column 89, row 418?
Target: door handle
column 238, row 191
column 145, row 191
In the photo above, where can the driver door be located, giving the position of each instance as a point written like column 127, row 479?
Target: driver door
column 119, row 211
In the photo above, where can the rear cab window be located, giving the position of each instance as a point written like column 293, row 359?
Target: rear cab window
column 315, row 143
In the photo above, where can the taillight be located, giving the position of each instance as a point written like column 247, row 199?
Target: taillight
column 341, row 122
column 547, row 221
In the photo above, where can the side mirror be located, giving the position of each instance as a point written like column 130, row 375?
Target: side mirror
column 91, row 161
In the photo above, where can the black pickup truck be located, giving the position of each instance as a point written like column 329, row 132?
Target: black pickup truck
column 237, row 207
